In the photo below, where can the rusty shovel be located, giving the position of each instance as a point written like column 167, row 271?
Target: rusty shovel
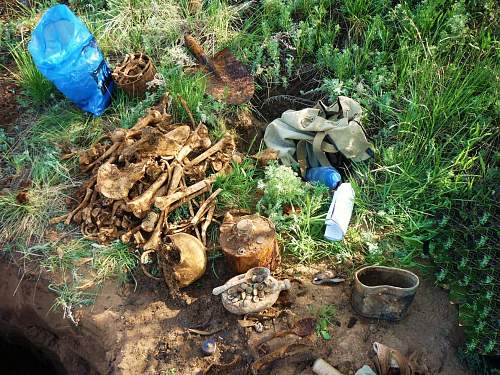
column 229, row 80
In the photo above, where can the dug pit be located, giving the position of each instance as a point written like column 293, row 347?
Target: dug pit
column 36, row 339
column 140, row 329
column 19, row 355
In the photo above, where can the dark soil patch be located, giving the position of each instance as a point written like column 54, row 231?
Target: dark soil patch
column 9, row 91
column 20, row 357
column 270, row 102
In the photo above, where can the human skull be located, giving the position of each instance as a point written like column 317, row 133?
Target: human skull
column 192, row 258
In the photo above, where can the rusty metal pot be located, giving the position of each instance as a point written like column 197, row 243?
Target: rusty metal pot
column 383, row 292
column 249, row 241
column 133, row 74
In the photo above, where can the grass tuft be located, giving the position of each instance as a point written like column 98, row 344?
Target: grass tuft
column 35, row 86
column 27, row 218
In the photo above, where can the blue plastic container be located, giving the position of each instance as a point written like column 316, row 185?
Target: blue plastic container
column 325, row 175
column 66, row 53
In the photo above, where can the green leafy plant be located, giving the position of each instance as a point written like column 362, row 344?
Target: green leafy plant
column 325, row 316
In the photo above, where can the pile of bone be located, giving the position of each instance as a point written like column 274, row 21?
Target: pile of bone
column 247, row 292
column 134, row 73
column 139, row 176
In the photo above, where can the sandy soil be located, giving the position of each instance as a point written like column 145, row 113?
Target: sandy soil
column 143, row 331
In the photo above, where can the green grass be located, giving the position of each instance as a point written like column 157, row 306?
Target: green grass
column 238, row 187
column 68, row 299
column 35, row 86
column 29, row 220
column 116, row 260
column 426, row 74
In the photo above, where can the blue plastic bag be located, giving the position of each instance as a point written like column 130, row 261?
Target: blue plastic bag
column 67, row 54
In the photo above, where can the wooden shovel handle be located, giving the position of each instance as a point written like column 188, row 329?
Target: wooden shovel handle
column 197, row 50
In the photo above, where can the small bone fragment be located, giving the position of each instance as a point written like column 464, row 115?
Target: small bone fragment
column 148, row 224
column 103, row 157
column 198, row 139
column 212, row 150
column 206, row 224
column 139, row 239
column 152, row 117
column 191, row 211
column 196, row 189
column 176, row 178
column 143, row 202
column 82, row 204
column 204, row 207
column 127, row 236
column 186, row 108
column 92, row 201
column 154, row 241
column 116, row 206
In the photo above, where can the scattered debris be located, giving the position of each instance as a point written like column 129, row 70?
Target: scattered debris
column 251, row 292
column 365, row 370
column 291, row 350
column 23, row 197
column 302, row 328
column 259, row 327
column 236, row 366
column 228, row 79
column 339, row 213
column 206, row 333
column 265, row 156
column 326, row 277
column 383, row 292
column 390, row 361
column 249, row 241
column 134, row 73
column 209, row 346
column 321, row 367
column 142, row 175
column 195, row 6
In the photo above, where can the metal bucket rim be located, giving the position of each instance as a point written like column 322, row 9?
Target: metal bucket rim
column 401, row 270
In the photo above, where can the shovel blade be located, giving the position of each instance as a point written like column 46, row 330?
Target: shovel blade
column 232, row 81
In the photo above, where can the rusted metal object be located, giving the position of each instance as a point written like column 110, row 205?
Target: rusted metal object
column 251, row 292
column 133, row 74
column 383, row 292
column 249, row 241
column 229, row 80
